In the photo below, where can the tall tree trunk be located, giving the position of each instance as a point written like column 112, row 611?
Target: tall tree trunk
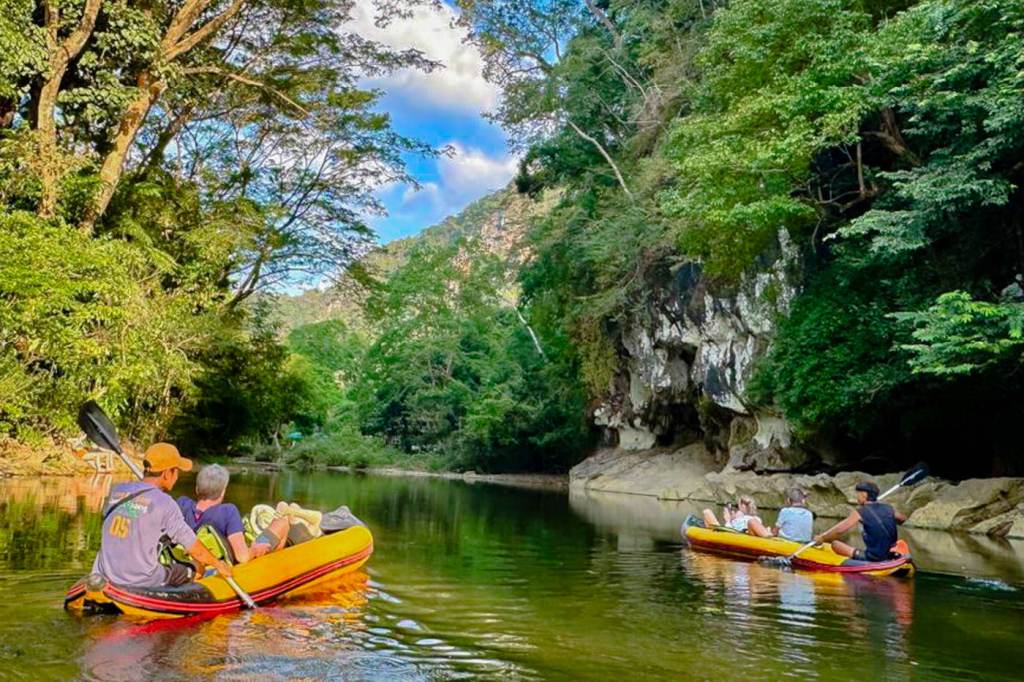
column 113, row 164
column 61, row 53
column 175, row 42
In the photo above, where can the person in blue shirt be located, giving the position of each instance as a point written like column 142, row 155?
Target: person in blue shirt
column 795, row 521
column 210, row 509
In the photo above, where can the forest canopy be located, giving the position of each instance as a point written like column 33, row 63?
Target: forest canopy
column 162, row 164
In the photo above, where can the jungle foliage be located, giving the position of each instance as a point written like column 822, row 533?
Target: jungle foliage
column 160, row 163
column 886, row 137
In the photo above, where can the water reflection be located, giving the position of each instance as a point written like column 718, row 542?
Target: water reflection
column 801, row 616
column 496, row 583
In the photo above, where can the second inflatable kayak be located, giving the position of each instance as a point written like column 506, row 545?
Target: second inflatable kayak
column 265, row 579
column 732, row 543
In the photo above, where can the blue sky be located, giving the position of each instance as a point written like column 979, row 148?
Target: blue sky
column 443, row 108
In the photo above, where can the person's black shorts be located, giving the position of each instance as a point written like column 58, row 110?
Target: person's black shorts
column 178, row 574
column 861, row 556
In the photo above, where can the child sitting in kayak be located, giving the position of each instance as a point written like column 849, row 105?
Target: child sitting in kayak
column 795, row 521
column 744, row 518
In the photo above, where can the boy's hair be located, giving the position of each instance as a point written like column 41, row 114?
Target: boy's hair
column 796, row 496
column 869, row 488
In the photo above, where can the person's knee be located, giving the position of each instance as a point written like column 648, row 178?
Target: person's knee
column 280, row 527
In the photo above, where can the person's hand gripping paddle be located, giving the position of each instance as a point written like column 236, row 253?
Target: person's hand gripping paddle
column 100, row 430
column 913, row 476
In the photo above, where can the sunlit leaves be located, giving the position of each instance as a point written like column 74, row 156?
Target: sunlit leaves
column 959, row 335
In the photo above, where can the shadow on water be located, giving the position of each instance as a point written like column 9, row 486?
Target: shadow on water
column 482, row 581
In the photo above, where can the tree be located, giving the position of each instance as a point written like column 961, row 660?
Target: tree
column 204, row 150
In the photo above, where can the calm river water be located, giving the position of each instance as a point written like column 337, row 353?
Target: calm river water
column 484, row 581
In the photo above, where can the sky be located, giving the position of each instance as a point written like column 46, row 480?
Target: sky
column 442, row 108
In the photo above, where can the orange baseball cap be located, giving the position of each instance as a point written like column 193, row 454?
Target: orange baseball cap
column 163, row 456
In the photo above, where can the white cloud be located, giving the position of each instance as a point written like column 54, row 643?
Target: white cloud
column 459, row 84
column 466, row 175
column 427, row 192
column 470, row 173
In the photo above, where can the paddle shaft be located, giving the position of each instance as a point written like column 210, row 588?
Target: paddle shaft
column 242, row 594
column 811, row 543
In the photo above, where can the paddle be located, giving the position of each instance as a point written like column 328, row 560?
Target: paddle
column 915, row 475
column 100, row 430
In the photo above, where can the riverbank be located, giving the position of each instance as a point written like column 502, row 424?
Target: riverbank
column 988, row 506
column 558, row 482
column 52, row 458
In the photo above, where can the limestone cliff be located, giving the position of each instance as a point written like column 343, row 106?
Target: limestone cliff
column 687, row 357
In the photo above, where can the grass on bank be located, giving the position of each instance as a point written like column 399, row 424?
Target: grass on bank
column 350, row 449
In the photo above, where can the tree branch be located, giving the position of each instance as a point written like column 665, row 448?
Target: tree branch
column 607, row 157
column 599, row 14
column 203, row 32
column 76, row 41
column 249, row 81
column 186, row 16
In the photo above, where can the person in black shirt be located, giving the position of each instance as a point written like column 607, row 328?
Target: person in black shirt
column 879, row 523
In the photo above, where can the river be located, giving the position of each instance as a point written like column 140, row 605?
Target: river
column 485, row 581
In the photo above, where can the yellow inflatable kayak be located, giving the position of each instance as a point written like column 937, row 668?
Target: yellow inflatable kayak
column 265, row 579
column 732, row 543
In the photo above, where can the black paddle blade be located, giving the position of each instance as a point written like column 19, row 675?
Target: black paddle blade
column 777, row 561
column 98, row 427
column 915, row 475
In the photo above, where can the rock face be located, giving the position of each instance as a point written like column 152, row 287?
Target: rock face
column 687, row 359
column 994, row 506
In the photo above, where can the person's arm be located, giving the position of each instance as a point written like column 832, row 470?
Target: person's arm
column 900, row 518
column 200, row 553
column 840, row 529
column 778, row 519
column 234, row 531
column 238, row 547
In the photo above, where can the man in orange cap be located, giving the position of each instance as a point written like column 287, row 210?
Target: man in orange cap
column 137, row 515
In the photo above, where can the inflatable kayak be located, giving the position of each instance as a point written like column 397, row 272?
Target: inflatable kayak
column 732, row 543
column 265, row 579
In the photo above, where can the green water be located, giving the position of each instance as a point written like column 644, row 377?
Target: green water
column 483, row 581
